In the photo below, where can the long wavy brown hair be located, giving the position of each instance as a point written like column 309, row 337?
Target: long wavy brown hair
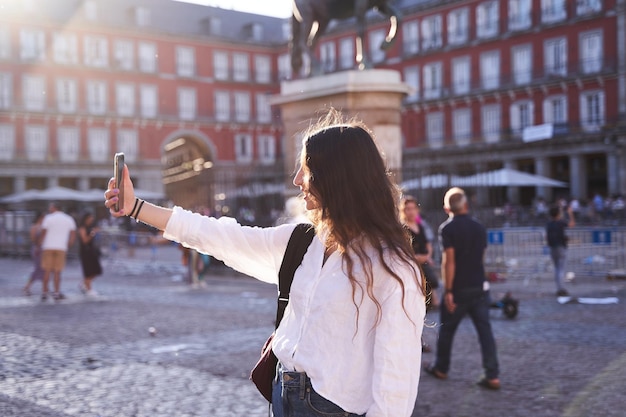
column 358, row 201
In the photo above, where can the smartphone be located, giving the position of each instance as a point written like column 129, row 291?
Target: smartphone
column 118, row 165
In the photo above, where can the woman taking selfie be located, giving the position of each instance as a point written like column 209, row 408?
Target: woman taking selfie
column 349, row 341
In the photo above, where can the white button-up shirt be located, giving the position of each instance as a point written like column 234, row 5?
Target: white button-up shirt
column 363, row 366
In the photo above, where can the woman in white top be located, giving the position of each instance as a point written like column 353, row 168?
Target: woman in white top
column 349, row 342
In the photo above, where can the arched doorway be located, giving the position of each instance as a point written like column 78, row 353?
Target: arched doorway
column 187, row 171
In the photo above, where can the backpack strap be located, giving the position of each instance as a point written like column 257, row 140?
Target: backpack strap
column 299, row 242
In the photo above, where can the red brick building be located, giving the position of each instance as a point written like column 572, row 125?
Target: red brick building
column 182, row 89
column 534, row 85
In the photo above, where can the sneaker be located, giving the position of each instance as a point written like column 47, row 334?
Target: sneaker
column 91, row 293
column 562, row 293
column 44, row 297
column 58, row 296
column 82, row 289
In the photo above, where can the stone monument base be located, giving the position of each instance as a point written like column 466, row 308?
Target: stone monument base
column 373, row 96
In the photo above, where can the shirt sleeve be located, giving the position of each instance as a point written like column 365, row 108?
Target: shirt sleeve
column 398, row 353
column 446, row 238
column 254, row 251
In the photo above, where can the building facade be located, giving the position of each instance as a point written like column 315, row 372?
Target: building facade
column 183, row 90
column 534, row 85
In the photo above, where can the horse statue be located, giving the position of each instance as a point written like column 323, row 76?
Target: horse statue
column 311, row 18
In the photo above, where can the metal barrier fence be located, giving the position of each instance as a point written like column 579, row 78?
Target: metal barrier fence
column 521, row 253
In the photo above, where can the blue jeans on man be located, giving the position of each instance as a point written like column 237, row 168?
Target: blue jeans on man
column 475, row 303
column 559, row 255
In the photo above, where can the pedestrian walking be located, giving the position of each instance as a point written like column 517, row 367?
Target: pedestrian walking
column 58, row 235
column 89, row 253
column 349, row 341
column 412, row 220
column 464, row 241
column 557, row 242
column 35, row 252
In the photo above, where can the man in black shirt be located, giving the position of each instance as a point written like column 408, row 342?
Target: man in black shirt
column 557, row 241
column 464, row 241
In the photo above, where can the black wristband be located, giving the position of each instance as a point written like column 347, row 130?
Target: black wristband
column 138, row 210
column 134, row 207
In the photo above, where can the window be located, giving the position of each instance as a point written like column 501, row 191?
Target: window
column 328, row 56
column 124, row 54
column 6, row 90
column 91, row 10
column 142, row 16
column 147, row 57
column 555, row 110
column 410, row 37
column 32, row 45
column 65, row 48
column 431, row 33
column 128, row 142
column 553, row 11
column 491, row 120
column 432, row 80
column 412, row 78
column 185, row 61
column 267, row 149
column 149, row 100
column 591, row 52
column 462, row 126
column 186, row 103
column 262, row 69
column 376, row 39
column 34, row 92
column 96, row 97
column 5, row 43
column 584, row 7
column 66, row 95
column 243, row 148
column 555, row 56
column 36, row 142
column 434, row 129
column 98, row 143
column 346, row 53
column 96, row 51
column 487, row 19
column 7, row 142
column 220, row 65
column 242, row 106
column 522, row 64
column 263, row 108
column 222, row 106
column 68, row 139
column 519, row 14
column 522, row 116
column 241, row 67
column 461, row 75
column 592, row 110
column 125, row 99
column 490, row 69
column 284, row 67
column 458, row 21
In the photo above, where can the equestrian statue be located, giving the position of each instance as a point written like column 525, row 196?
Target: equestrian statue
column 310, row 19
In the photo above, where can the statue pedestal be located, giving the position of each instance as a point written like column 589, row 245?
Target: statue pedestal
column 373, row 96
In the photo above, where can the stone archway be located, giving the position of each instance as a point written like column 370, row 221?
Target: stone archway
column 187, row 170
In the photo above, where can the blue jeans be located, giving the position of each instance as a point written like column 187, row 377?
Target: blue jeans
column 476, row 303
column 293, row 396
column 558, row 255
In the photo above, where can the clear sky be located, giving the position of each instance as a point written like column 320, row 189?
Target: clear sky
column 278, row 8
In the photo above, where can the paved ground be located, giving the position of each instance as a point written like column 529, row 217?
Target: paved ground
column 96, row 357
